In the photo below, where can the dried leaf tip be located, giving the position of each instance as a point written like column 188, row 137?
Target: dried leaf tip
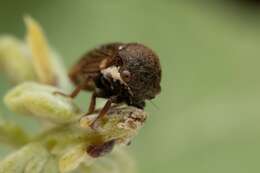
column 40, row 51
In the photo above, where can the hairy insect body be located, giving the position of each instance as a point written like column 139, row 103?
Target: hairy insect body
column 121, row 72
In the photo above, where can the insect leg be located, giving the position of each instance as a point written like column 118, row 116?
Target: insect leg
column 103, row 111
column 92, row 105
column 74, row 93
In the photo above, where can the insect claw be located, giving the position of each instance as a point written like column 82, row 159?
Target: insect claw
column 89, row 121
column 94, row 125
column 60, row 93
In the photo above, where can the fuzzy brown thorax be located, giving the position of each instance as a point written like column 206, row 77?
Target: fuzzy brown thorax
column 144, row 67
column 131, row 72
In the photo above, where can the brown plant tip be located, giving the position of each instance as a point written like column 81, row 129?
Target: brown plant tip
column 98, row 150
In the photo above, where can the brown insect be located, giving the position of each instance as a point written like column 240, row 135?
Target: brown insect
column 123, row 73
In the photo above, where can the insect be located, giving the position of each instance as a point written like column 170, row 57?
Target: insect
column 120, row 72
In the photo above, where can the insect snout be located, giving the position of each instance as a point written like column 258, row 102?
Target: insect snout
column 108, row 77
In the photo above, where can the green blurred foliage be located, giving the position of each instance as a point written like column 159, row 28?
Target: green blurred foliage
column 208, row 113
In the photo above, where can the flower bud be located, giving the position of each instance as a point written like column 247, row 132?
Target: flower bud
column 30, row 158
column 15, row 60
column 73, row 158
column 41, row 101
column 122, row 123
column 11, row 133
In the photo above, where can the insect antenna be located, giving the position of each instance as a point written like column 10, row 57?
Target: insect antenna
column 155, row 106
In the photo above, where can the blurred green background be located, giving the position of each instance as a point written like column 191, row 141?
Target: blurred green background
column 208, row 115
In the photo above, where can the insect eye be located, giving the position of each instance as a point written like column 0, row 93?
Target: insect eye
column 126, row 75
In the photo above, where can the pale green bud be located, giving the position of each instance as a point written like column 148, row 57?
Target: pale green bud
column 116, row 162
column 51, row 166
column 12, row 134
column 33, row 60
column 121, row 123
column 73, row 158
column 29, row 159
column 15, row 60
column 40, row 101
